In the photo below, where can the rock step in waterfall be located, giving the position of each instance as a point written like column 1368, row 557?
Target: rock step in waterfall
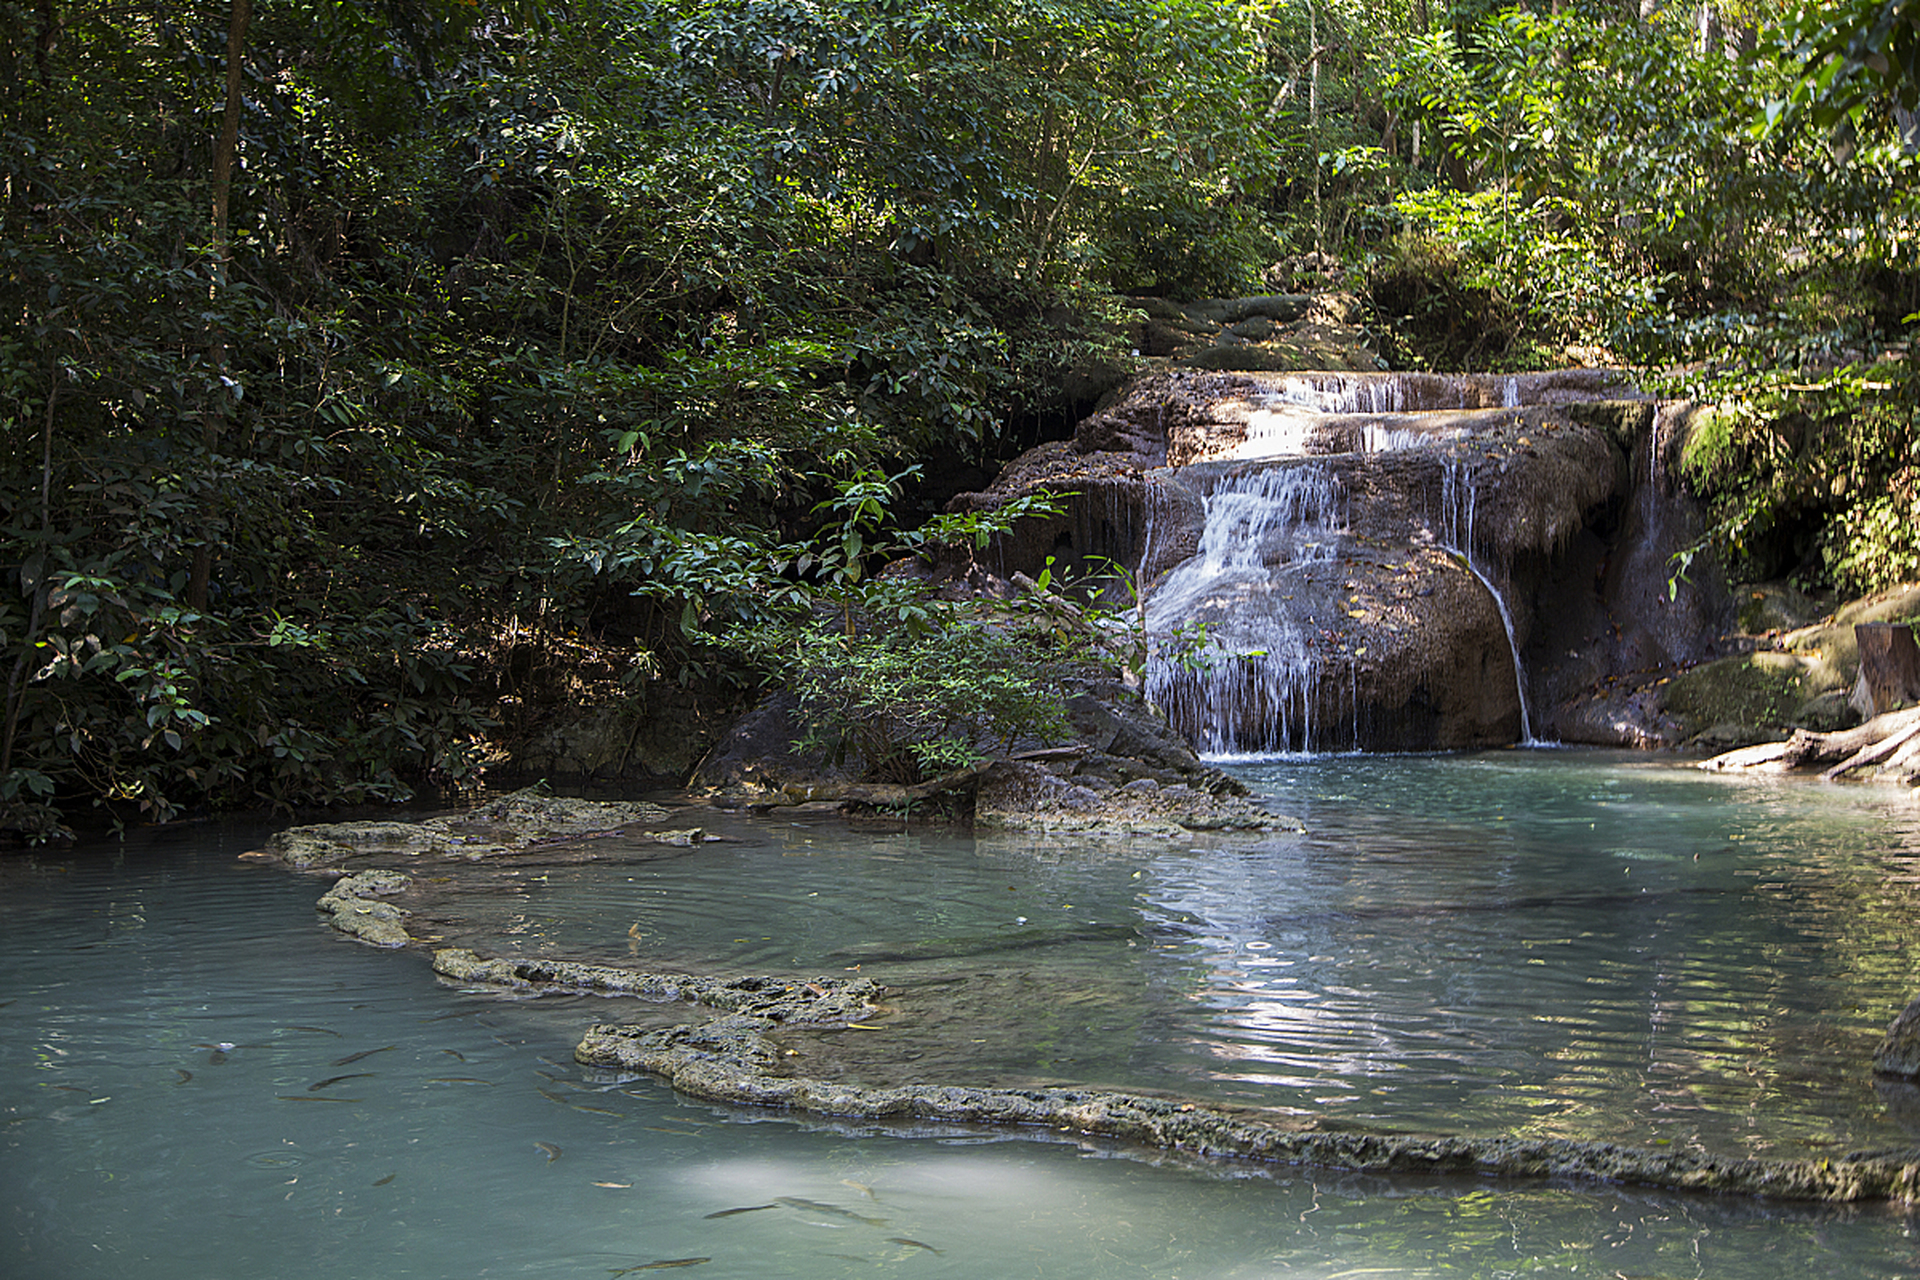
column 1340, row 562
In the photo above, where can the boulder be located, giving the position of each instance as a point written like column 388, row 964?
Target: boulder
column 1899, row 1052
column 1392, row 641
column 511, row 823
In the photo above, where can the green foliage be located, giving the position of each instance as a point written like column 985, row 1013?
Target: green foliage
column 910, row 706
column 1856, row 58
column 529, row 337
column 526, row 336
column 888, row 673
column 1816, row 478
column 1604, row 183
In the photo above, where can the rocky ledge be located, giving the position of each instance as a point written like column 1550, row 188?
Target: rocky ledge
column 1126, row 773
column 733, row 1060
column 523, row 820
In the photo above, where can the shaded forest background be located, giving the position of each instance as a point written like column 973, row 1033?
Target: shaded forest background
column 379, row 376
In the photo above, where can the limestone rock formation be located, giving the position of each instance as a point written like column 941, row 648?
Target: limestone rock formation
column 1126, row 773
column 509, row 823
column 1420, row 559
column 1899, row 1052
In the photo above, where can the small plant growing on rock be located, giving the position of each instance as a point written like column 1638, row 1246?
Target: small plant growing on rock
column 887, row 674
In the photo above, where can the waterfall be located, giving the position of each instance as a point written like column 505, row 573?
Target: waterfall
column 1237, row 678
column 1345, row 395
column 1458, row 497
column 1297, row 625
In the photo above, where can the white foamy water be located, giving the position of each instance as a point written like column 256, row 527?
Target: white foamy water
column 1250, row 665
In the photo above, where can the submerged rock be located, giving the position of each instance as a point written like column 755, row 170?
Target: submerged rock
column 731, row 1060
column 818, row 1000
column 1899, row 1052
column 508, row 824
column 353, row 907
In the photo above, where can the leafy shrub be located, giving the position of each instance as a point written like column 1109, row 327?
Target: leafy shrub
column 911, row 706
column 1875, row 542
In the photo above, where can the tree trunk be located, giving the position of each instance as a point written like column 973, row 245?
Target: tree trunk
column 1848, row 749
column 1313, row 119
column 225, row 149
column 41, row 586
column 1889, row 667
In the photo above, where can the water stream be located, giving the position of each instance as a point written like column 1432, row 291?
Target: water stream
column 1262, row 525
column 197, row 1080
column 1459, row 497
column 1234, row 663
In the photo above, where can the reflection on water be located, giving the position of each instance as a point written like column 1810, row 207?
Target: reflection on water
column 196, row 1080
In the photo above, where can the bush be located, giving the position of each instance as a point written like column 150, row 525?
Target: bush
column 908, row 707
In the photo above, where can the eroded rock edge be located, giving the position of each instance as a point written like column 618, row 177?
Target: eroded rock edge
column 731, row 1060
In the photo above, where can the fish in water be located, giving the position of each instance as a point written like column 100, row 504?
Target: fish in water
column 381, row 1182
column 661, row 1265
column 456, row 1053
column 598, row 1111
column 458, row 1080
column 319, row 1031
column 745, row 1208
column 364, row 1053
column 308, row 1097
column 184, row 1074
column 861, row 1187
column 795, row 1202
column 913, row 1244
column 553, row 1152
column 351, row 1075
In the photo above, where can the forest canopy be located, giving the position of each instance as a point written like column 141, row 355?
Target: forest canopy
column 377, row 376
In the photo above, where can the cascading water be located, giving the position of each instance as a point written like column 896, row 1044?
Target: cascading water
column 1458, row 498
column 1303, row 415
column 1217, row 667
column 1260, row 646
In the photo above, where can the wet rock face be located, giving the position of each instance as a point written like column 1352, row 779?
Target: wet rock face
column 509, row 823
column 1899, row 1052
column 735, row 1059
column 1403, row 514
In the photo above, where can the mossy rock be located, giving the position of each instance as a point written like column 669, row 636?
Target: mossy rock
column 1774, row 606
column 1248, row 359
column 1761, row 692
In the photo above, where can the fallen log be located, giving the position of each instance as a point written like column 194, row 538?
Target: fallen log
column 1847, row 749
column 1881, row 750
column 878, row 794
